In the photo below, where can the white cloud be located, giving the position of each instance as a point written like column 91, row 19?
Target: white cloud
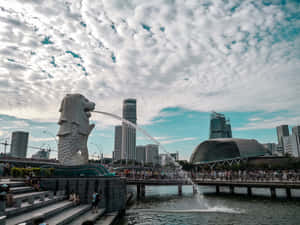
column 155, row 137
column 196, row 55
column 17, row 124
column 101, row 135
column 270, row 123
column 39, row 139
column 3, row 135
column 170, row 113
column 255, row 119
column 179, row 140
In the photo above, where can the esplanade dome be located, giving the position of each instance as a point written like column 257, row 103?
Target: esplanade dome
column 226, row 148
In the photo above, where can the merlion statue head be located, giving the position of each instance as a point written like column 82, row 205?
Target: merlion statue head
column 75, row 109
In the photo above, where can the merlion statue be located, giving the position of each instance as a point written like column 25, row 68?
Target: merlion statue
column 74, row 129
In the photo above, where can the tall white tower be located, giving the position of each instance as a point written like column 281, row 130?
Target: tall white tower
column 128, row 132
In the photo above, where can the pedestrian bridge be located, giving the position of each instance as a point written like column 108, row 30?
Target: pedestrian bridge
column 141, row 184
column 288, row 186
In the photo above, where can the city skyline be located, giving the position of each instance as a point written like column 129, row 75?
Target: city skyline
column 179, row 59
column 165, row 131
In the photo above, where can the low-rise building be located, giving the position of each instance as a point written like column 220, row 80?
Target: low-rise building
column 175, row 156
column 166, row 159
column 290, row 145
column 272, row 148
column 41, row 154
column 152, row 155
column 141, row 153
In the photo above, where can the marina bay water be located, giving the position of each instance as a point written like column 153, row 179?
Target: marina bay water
column 163, row 206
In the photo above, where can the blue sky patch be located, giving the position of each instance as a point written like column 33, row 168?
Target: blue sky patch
column 76, row 56
column 83, row 69
column 53, row 61
column 113, row 57
column 47, row 41
column 82, row 23
column 146, row 27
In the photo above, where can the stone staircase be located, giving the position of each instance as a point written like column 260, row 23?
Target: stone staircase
column 29, row 204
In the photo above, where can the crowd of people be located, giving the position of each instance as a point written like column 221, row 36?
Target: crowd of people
column 291, row 175
column 73, row 197
column 248, row 175
column 149, row 174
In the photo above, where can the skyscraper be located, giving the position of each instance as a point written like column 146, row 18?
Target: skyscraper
column 219, row 126
column 128, row 132
column 296, row 134
column 141, row 154
column 290, row 146
column 152, row 155
column 282, row 131
column 118, row 143
column 19, row 142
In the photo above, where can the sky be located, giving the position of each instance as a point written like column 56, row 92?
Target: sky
column 179, row 59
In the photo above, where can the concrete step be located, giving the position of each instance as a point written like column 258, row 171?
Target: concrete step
column 46, row 212
column 26, row 207
column 21, row 189
column 12, row 183
column 30, row 197
column 2, row 219
column 89, row 216
column 108, row 219
column 69, row 215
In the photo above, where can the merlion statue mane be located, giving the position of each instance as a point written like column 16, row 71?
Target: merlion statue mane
column 74, row 129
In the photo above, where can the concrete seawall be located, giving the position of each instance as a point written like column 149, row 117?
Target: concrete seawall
column 113, row 189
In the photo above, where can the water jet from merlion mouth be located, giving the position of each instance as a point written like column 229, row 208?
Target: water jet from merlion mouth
column 139, row 129
column 183, row 175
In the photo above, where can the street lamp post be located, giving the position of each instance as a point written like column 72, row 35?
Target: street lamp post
column 54, row 137
column 5, row 144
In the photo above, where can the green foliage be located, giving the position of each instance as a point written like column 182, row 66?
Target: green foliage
column 22, row 172
column 51, row 171
column 15, row 172
column 186, row 165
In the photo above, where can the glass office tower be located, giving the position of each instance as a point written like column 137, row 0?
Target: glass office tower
column 219, row 126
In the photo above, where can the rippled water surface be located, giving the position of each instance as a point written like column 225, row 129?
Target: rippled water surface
column 163, row 206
